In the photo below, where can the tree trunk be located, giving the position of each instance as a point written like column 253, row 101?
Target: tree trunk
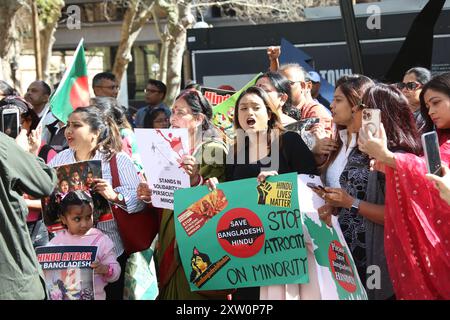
column 176, row 49
column 48, row 39
column 163, row 57
column 179, row 19
column 133, row 22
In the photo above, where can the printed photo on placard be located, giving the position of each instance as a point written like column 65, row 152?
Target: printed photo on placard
column 194, row 217
column 71, row 177
column 67, row 270
column 227, row 240
column 161, row 152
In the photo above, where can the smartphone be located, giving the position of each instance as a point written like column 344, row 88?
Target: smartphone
column 371, row 118
column 11, row 122
column 430, row 144
column 315, row 186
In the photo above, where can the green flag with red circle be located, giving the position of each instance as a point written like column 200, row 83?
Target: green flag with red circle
column 73, row 90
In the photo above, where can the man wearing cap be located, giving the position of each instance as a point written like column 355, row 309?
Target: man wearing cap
column 315, row 89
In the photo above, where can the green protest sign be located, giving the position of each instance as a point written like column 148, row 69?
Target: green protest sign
column 223, row 112
column 242, row 234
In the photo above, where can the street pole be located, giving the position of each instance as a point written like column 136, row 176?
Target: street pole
column 36, row 40
column 351, row 35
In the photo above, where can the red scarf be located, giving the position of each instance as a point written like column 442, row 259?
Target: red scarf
column 417, row 230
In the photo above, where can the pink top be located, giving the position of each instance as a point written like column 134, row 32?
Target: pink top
column 105, row 255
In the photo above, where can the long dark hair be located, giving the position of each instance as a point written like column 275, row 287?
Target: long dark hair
column 353, row 87
column 199, row 105
column 109, row 141
column 274, row 122
column 439, row 83
column 397, row 118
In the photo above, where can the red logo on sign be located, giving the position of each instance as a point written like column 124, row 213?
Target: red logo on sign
column 341, row 267
column 240, row 233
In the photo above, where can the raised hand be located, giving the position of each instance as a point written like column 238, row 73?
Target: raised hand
column 273, row 52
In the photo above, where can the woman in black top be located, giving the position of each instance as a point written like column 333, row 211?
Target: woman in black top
column 261, row 144
column 262, row 148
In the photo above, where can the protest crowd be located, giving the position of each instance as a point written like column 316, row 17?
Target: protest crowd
column 392, row 212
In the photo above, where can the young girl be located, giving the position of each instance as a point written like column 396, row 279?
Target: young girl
column 76, row 215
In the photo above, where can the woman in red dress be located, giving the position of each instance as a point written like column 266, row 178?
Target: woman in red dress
column 417, row 220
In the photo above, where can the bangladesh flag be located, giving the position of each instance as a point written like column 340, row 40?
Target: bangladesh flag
column 73, row 90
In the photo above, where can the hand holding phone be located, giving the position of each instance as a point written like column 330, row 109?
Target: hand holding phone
column 371, row 119
column 315, row 187
column 11, row 122
column 430, row 144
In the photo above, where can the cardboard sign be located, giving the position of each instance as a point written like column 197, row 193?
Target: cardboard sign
column 161, row 151
column 228, row 240
column 67, row 270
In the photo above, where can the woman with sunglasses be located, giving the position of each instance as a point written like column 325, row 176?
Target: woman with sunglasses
column 417, row 224
column 190, row 110
column 413, row 81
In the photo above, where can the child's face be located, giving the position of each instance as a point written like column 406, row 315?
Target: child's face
column 89, row 178
column 75, row 176
column 64, row 186
column 78, row 219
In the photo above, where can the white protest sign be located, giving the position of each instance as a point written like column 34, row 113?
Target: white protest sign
column 337, row 276
column 161, row 151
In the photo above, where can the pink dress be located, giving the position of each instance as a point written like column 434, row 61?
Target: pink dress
column 417, row 230
column 105, row 255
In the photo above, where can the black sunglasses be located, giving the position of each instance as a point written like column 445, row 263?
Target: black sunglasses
column 409, row 85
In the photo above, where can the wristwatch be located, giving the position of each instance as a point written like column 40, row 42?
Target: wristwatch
column 120, row 197
column 355, row 206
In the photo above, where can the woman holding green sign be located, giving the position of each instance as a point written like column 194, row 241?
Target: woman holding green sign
column 262, row 148
column 192, row 111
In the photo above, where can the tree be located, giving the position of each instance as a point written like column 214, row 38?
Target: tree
column 15, row 28
column 179, row 18
column 9, row 37
column 137, row 14
column 49, row 15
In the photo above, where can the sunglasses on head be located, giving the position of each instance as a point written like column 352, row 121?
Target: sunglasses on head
column 409, row 85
